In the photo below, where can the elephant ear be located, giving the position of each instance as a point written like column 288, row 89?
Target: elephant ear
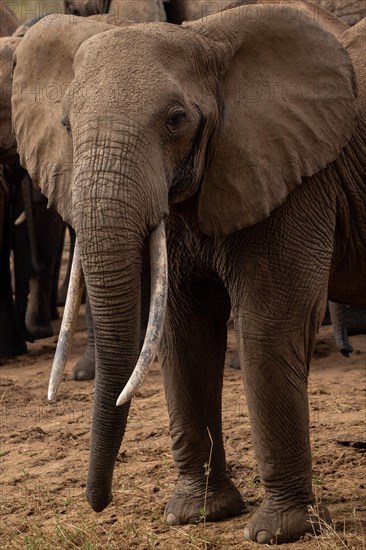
column 42, row 77
column 288, row 108
column 8, row 45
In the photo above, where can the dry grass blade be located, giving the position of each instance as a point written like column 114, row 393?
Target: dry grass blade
column 329, row 539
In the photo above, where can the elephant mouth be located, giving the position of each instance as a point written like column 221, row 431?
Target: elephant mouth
column 159, row 293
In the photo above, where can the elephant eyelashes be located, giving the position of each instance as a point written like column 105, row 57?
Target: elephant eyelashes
column 66, row 123
column 175, row 119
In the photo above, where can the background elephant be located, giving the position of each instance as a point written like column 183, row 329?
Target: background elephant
column 36, row 241
column 177, row 11
column 257, row 196
column 350, row 11
column 35, row 294
column 11, row 341
column 139, row 11
column 8, row 20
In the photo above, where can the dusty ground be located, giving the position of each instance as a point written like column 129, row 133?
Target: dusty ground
column 44, row 455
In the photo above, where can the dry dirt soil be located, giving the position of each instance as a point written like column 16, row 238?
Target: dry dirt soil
column 44, row 457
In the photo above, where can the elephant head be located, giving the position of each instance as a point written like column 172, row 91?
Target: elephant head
column 230, row 112
column 139, row 10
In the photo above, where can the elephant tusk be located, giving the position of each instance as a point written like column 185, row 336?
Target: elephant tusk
column 69, row 319
column 159, row 293
column 21, row 218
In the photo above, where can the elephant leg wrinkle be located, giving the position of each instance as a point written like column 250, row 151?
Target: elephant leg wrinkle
column 193, row 377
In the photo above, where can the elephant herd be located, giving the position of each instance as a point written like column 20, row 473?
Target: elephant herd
column 212, row 167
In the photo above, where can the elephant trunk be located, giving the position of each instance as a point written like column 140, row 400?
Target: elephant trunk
column 337, row 316
column 115, row 208
column 113, row 282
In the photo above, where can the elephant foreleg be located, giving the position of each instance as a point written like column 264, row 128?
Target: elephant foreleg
column 275, row 349
column 192, row 355
column 49, row 234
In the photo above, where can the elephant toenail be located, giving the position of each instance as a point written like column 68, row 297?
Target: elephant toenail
column 263, row 537
column 247, row 534
column 171, row 519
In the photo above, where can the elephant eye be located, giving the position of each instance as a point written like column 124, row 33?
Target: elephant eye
column 66, row 123
column 176, row 117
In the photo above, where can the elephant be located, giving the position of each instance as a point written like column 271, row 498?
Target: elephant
column 139, row 11
column 11, row 342
column 8, row 20
column 351, row 11
column 35, row 243
column 241, row 160
column 36, row 261
column 177, row 11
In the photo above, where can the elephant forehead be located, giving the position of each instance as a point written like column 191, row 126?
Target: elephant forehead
column 132, row 64
column 138, row 45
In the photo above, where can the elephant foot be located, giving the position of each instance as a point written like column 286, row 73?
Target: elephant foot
column 277, row 524
column 191, row 504
column 38, row 330
column 84, row 369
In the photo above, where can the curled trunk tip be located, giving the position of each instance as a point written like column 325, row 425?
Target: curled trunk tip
column 338, row 318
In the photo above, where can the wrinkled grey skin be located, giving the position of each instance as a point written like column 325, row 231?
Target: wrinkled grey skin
column 154, row 151
column 350, row 11
column 345, row 320
column 177, row 11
